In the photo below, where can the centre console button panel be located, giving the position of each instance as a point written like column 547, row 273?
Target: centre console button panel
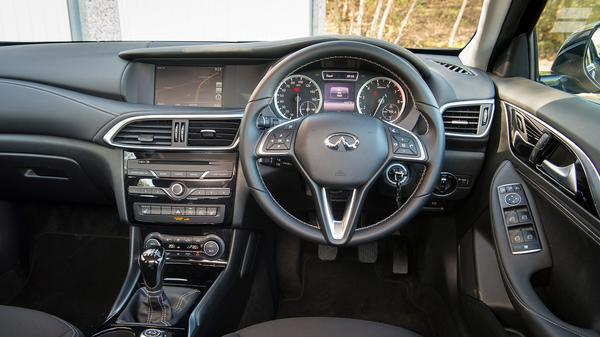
column 180, row 213
column 520, row 226
column 180, row 188
column 186, row 249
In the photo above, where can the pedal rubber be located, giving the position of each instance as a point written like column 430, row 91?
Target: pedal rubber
column 327, row 253
column 367, row 253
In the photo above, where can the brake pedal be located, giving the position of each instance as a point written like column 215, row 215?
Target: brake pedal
column 400, row 258
column 327, row 253
column 367, row 253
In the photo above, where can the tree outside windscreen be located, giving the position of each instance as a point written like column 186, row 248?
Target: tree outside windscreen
column 408, row 23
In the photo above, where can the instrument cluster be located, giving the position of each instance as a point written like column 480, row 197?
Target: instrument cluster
column 315, row 91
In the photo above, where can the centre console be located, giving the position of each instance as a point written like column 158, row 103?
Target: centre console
column 181, row 207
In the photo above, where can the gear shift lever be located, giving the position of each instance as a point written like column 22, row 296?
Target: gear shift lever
column 152, row 263
column 152, row 304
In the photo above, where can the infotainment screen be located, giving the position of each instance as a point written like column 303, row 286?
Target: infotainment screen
column 189, row 86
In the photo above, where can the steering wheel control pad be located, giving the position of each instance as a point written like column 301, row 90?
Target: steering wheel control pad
column 341, row 150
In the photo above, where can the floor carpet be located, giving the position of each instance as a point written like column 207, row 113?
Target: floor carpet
column 368, row 291
column 75, row 277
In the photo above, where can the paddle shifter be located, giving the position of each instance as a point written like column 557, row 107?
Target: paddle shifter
column 152, row 263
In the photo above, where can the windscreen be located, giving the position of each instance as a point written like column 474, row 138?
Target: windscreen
column 409, row 23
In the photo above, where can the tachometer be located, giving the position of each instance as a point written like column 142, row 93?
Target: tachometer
column 298, row 96
column 381, row 97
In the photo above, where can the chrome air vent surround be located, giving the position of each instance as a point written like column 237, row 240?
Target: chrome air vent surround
column 179, row 132
column 469, row 119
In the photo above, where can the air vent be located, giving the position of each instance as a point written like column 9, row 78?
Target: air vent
column 148, row 132
column 457, row 69
column 463, row 119
column 212, row 132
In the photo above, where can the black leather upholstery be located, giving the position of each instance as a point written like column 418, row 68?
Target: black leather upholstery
column 23, row 322
column 322, row 327
column 162, row 307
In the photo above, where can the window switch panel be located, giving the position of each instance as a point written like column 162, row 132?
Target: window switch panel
column 520, row 227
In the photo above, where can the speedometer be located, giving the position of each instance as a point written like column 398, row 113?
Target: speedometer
column 381, row 97
column 298, row 96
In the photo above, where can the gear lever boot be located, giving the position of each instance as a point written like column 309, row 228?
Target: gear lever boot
column 153, row 304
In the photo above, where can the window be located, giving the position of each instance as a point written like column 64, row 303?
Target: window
column 409, row 23
column 567, row 34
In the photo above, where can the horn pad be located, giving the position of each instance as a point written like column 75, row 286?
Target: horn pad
column 340, row 149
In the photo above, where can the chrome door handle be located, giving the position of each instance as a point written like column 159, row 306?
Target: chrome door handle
column 564, row 175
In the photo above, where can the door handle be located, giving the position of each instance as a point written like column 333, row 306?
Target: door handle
column 564, row 175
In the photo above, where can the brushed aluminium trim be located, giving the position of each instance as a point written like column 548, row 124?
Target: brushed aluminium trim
column 485, row 132
column 590, row 170
column 110, row 135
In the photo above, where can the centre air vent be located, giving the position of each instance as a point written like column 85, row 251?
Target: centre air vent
column 146, row 132
column 468, row 120
column 456, row 68
column 212, row 132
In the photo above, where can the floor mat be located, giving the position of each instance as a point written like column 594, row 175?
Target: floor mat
column 75, row 277
column 364, row 291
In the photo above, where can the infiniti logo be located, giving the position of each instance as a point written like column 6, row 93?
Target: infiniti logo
column 341, row 141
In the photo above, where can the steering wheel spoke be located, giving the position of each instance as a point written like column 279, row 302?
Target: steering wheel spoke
column 278, row 141
column 405, row 145
column 338, row 232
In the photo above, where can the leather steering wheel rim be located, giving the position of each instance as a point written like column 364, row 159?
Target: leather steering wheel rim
column 433, row 139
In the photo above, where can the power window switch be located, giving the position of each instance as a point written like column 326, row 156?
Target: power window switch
column 511, row 217
column 516, row 236
column 529, row 235
column 524, row 216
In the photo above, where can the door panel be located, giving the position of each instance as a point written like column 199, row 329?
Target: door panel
column 554, row 286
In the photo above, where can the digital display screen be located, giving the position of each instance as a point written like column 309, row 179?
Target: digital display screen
column 339, row 97
column 189, row 86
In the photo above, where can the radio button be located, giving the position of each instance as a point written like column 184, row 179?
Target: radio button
column 198, row 191
column 140, row 173
column 163, row 174
column 177, row 189
column 219, row 174
column 196, row 174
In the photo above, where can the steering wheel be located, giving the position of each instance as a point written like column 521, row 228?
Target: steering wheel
column 342, row 151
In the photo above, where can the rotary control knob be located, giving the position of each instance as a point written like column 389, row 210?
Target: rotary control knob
column 211, row 248
column 177, row 189
column 152, row 333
